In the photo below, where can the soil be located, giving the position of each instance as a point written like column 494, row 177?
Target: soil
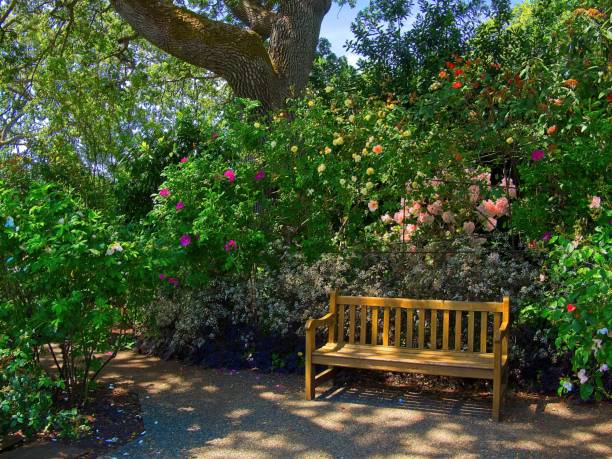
column 114, row 417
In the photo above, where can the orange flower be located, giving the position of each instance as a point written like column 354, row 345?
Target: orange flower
column 442, row 74
column 457, row 85
column 571, row 83
column 458, row 157
column 458, row 72
column 377, row 149
column 552, row 130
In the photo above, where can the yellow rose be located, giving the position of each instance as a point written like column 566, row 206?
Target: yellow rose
column 329, row 89
column 294, row 149
column 311, row 103
column 256, row 125
column 321, row 168
column 509, row 140
column 348, row 103
column 351, row 118
column 370, row 171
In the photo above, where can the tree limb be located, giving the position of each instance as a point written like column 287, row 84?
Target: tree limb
column 225, row 49
column 254, row 16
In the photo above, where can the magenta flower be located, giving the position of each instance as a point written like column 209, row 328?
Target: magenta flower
column 546, row 236
column 260, row 175
column 173, row 281
column 180, row 205
column 231, row 244
column 185, row 240
column 537, row 155
column 184, row 159
column 162, row 277
column 164, row 192
column 230, row 174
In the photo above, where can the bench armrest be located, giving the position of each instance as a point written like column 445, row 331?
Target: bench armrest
column 328, row 319
column 503, row 331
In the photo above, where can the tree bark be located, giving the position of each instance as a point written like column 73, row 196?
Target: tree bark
column 269, row 72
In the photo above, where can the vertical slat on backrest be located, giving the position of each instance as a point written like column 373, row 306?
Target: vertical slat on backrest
column 483, row 331
column 398, row 327
column 471, row 331
column 352, row 324
column 332, row 309
column 421, row 328
column 458, row 330
column 340, row 323
column 374, row 325
column 409, row 327
column 434, row 328
column 445, row 324
column 363, row 316
column 386, row 326
column 505, row 316
column 496, row 321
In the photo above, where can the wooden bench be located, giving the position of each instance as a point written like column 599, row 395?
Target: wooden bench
column 411, row 340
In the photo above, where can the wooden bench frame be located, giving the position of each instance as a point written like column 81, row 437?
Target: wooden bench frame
column 460, row 361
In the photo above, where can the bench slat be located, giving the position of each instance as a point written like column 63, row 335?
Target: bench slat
column 471, row 331
column 434, row 328
column 484, row 318
column 386, row 327
column 426, row 304
column 398, row 327
column 445, row 331
column 352, row 324
column 458, row 330
column 341, row 323
column 374, row 326
column 363, row 315
column 409, row 327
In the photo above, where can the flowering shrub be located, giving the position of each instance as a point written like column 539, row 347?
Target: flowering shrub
column 69, row 279
column 579, row 307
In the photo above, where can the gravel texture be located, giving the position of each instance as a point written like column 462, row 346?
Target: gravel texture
column 191, row 412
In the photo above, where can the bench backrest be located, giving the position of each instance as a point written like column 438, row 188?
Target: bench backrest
column 432, row 324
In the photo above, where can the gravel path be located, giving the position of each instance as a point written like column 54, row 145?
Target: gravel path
column 190, row 412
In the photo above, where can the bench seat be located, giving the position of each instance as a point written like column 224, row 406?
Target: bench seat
column 390, row 358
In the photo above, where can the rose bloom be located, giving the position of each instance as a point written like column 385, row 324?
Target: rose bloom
column 442, row 74
column 571, row 307
column 571, row 83
column 448, row 217
column 373, row 205
column 164, row 192
column 386, row 218
column 399, row 216
column 552, row 130
column 435, row 208
column 377, row 149
column 501, row 206
column 458, row 72
column 490, row 224
column 474, row 192
column 469, row 227
column 230, row 175
column 457, row 85
column 595, row 202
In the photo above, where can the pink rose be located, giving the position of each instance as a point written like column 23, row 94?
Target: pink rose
column 469, row 227
column 230, row 175
column 474, row 193
column 448, row 217
column 185, row 240
column 164, row 192
column 184, row 159
column 595, row 203
column 490, row 224
column 180, row 205
column 373, row 205
column 501, row 206
column 435, row 208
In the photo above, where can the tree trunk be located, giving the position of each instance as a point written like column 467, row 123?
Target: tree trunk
column 253, row 70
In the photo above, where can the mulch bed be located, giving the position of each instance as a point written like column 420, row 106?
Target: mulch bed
column 114, row 417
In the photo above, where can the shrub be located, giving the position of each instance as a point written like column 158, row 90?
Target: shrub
column 68, row 277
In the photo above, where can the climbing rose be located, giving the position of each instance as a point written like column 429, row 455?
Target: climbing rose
column 442, row 74
column 162, row 276
column 185, row 240
column 456, row 85
column 260, row 175
column 377, row 149
column 164, row 192
column 551, row 130
column 490, row 224
column 229, row 245
column 537, row 155
column 458, row 72
column 399, row 216
column 230, row 175
column 595, row 203
column 184, row 159
column 386, row 218
column 435, row 208
column 448, row 217
column 474, row 193
column 180, row 205
column 373, row 205
column 571, row 307
column 501, row 206
column 450, row 65
column 173, row 281
column 469, row 227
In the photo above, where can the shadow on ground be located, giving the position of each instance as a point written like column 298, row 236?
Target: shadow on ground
column 190, row 412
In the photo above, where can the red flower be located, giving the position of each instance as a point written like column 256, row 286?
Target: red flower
column 571, row 307
column 457, row 85
column 450, row 65
column 551, row 130
column 458, row 72
column 610, row 97
column 442, row 74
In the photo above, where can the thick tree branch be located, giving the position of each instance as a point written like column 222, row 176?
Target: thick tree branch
column 225, row 49
column 254, row 16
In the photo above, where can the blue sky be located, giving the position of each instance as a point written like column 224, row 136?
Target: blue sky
column 336, row 27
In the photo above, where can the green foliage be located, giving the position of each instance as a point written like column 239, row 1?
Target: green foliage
column 578, row 306
column 68, row 277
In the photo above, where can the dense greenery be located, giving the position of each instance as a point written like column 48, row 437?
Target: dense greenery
column 477, row 168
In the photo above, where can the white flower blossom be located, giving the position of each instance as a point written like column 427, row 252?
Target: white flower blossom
column 582, row 376
column 568, row 386
column 116, row 247
column 603, row 368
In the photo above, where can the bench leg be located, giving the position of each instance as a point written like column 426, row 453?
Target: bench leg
column 497, row 395
column 310, row 381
